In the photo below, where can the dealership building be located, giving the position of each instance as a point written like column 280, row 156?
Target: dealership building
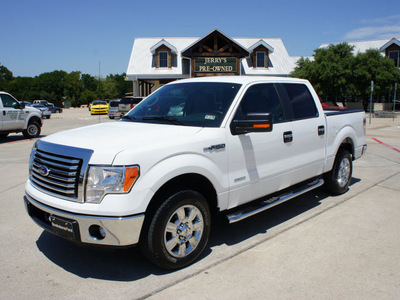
column 157, row 61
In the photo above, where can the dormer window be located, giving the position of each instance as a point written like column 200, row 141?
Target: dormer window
column 260, row 59
column 259, row 54
column 395, row 56
column 164, row 55
column 163, row 59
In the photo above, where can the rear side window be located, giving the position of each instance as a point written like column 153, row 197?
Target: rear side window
column 130, row 100
column 302, row 102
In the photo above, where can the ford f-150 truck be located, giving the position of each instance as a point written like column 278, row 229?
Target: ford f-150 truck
column 15, row 117
column 194, row 148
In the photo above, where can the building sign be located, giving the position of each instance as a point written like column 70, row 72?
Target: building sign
column 215, row 64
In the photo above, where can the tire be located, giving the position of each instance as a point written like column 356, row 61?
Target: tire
column 178, row 231
column 111, row 117
column 337, row 181
column 47, row 117
column 32, row 131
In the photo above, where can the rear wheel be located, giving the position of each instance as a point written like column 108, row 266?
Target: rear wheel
column 178, row 231
column 337, row 181
column 32, row 131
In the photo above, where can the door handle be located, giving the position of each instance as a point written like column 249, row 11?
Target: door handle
column 321, row 130
column 4, row 112
column 287, row 137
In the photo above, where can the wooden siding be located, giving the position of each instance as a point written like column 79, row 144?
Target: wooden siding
column 163, row 48
column 253, row 56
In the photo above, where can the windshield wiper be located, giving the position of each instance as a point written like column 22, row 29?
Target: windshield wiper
column 129, row 117
column 171, row 120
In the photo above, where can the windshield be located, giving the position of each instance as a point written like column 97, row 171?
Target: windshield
column 99, row 103
column 201, row 104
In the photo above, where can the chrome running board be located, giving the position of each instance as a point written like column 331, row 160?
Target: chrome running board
column 264, row 204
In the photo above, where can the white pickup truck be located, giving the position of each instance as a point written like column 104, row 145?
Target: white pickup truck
column 15, row 117
column 229, row 145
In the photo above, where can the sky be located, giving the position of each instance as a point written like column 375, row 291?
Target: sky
column 96, row 37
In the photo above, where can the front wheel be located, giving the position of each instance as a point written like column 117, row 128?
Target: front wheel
column 178, row 231
column 32, row 131
column 337, row 181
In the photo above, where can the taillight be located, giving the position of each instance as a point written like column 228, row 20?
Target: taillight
column 365, row 126
column 132, row 105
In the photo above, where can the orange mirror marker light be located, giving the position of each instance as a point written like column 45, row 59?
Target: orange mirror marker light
column 131, row 174
column 261, row 125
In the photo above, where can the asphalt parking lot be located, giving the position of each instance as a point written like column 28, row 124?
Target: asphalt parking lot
column 314, row 246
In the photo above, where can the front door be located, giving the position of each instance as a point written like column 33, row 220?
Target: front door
column 12, row 115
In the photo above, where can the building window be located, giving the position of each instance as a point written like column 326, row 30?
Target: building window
column 395, row 56
column 260, row 59
column 163, row 59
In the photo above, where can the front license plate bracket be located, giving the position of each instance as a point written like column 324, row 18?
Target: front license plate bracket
column 63, row 227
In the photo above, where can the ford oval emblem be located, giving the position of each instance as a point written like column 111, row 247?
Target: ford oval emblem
column 44, row 171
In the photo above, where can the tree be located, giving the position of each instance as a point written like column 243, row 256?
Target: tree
column 73, row 87
column 5, row 77
column 329, row 71
column 372, row 66
column 50, row 86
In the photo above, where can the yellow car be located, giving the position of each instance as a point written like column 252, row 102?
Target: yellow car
column 99, row 107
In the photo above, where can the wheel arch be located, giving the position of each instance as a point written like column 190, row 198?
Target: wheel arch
column 347, row 144
column 192, row 181
column 34, row 119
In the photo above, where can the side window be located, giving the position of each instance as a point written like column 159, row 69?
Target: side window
column 261, row 98
column 302, row 102
column 8, row 101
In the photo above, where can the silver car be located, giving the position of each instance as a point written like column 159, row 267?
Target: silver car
column 113, row 109
column 127, row 103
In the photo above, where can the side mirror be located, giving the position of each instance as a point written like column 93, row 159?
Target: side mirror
column 22, row 105
column 254, row 122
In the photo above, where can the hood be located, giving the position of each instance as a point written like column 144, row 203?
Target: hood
column 108, row 139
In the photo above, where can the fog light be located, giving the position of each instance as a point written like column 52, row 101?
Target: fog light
column 97, row 232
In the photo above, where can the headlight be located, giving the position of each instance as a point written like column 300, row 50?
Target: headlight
column 109, row 180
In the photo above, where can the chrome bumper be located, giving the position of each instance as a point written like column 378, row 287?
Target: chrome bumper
column 111, row 231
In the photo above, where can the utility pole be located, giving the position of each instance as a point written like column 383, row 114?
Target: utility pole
column 370, row 102
column 394, row 100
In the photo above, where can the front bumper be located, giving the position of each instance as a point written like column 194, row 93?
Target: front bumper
column 110, row 231
column 98, row 111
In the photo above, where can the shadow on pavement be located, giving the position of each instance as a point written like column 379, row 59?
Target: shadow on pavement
column 129, row 264
column 17, row 138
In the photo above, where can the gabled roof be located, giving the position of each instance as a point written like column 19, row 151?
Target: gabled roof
column 141, row 64
column 391, row 42
column 165, row 43
column 362, row 46
column 185, row 52
column 261, row 43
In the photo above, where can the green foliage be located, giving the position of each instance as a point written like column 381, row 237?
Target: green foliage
column 60, row 86
column 5, row 77
column 336, row 72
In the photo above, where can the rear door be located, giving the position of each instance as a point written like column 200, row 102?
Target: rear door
column 308, row 130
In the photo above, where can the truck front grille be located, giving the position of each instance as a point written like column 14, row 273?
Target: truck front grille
column 55, row 170
column 56, row 174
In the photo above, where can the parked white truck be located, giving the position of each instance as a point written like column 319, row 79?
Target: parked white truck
column 196, row 147
column 15, row 117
